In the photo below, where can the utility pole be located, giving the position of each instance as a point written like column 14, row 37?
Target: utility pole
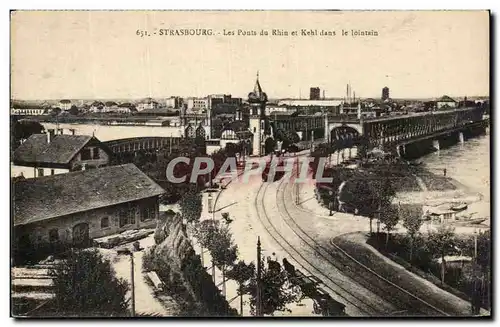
column 474, row 304
column 259, row 285
column 133, row 284
column 297, row 184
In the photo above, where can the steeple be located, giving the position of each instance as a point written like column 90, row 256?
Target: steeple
column 257, row 89
column 257, row 95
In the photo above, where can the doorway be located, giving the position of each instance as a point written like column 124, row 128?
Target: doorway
column 81, row 237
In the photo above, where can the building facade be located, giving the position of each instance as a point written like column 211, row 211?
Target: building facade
column 147, row 103
column 197, row 104
column 174, row 102
column 385, row 93
column 83, row 205
column 28, row 111
column 314, row 93
column 445, row 102
column 65, row 104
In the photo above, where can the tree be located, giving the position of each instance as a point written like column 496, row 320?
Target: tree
column 479, row 247
column 227, row 219
column 269, row 145
column 277, row 291
column 223, row 251
column 205, row 232
column 389, row 216
column 442, row 242
column 412, row 221
column 85, row 284
column 55, row 111
column 23, row 129
column 190, row 206
column 74, row 110
column 241, row 273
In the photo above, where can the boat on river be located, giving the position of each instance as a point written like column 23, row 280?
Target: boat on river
column 459, row 207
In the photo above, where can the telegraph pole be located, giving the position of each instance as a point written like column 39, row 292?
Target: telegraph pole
column 297, row 184
column 259, row 285
column 133, row 284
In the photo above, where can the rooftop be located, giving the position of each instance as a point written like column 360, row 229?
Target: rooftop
column 60, row 150
column 37, row 199
column 445, row 98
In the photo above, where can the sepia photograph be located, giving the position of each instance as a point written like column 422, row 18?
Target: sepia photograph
column 266, row 163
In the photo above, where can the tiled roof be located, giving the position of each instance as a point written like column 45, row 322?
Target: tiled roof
column 37, row 199
column 60, row 150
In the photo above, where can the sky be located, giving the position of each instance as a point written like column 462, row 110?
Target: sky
column 98, row 54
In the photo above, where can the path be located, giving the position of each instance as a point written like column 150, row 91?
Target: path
column 145, row 300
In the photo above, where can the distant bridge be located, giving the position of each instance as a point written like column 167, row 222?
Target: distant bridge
column 382, row 132
column 133, row 144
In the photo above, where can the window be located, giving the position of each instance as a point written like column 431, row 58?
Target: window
column 127, row 216
column 105, row 222
column 86, row 154
column 148, row 213
column 96, row 153
column 40, row 172
column 52, row 172
column 53, row 235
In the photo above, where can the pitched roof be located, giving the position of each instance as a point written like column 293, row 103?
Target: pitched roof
column 65, row 101
column 60, row 150
column 37, row 199
column 445, row 98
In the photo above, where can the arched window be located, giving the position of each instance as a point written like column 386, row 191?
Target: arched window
column 105, row 222
column 53, row 235
column 200, row 132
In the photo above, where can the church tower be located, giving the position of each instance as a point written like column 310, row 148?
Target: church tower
column 257, row 100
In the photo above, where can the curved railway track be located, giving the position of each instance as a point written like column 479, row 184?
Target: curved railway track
column 345, row 295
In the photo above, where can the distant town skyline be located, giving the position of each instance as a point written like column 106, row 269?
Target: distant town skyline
column 98, row 55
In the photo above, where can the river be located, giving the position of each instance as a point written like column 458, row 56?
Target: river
column 469, row 164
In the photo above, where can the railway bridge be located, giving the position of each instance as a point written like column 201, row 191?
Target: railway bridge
column 390, row 133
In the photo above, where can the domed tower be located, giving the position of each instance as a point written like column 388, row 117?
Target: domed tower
column 257, row 100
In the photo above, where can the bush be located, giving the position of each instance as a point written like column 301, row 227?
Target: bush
column 86, row 285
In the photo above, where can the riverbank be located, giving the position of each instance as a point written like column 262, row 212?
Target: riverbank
column 418, row 188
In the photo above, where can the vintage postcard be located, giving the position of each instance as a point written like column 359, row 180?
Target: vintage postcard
column 250, row 164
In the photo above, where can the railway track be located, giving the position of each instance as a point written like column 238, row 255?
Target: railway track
column 354, row 304
column 413, row 305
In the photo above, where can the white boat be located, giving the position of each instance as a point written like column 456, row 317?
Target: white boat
column 459, row 207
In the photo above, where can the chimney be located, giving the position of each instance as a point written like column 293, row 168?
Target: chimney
column 50, row 135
